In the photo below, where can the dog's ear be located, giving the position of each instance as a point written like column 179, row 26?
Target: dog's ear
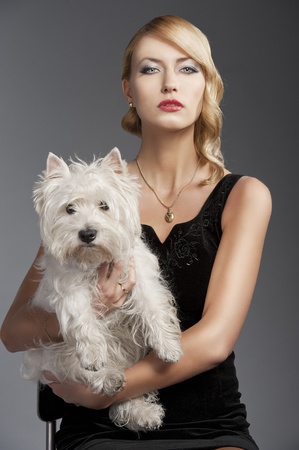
column 56, row 167
column 114, row 158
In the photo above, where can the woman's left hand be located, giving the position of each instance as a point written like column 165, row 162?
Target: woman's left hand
column 114, row 292
column 76, row 393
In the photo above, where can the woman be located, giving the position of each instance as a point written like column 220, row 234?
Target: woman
column 207, row 227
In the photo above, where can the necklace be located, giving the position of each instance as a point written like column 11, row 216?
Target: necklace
column 169, row 216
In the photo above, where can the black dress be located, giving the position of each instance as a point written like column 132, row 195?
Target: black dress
column 204, row 412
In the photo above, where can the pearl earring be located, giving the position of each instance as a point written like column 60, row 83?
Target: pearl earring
column 131, row 104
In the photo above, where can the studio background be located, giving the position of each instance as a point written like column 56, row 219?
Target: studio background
column 60, row 91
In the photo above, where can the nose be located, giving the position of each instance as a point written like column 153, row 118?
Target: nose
column 169, row 87
column 87, row 235
column 169, row 83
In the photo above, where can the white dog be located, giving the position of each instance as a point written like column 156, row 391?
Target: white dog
column 89, row 216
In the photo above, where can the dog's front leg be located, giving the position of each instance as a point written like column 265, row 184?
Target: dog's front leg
column 162, row 329
column 155, row 305
column 81, row 328
column 160, row 324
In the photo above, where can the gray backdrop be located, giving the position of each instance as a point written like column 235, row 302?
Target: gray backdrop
column 60, row 91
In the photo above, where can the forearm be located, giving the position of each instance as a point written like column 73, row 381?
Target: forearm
column 150, row 373
column 27, row 327
column 201, row 353
column 24, row 327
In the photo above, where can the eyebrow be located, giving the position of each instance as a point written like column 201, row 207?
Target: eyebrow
column 155, row 60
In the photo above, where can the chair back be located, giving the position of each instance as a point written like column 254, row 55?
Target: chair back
column 49, row 406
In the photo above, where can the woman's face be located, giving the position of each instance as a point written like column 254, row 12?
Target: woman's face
column 166, row 86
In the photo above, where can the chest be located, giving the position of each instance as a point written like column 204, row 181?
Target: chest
column 185, row 208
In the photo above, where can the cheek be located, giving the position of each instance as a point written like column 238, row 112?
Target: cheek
column 143, row 100
column 199, row 105
column 199, row 95
column 142, row 93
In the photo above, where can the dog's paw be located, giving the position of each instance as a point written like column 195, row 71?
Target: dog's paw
column 148, row 419
column 89, row 360
column 172, row 353
column 91, row 368
column 137, row 415
column 113, row 383
column 108, row 381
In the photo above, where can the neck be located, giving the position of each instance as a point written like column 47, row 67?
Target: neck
column 165, row 141
column 169, row 215
column 168, row 160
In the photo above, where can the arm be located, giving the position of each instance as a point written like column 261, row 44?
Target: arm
column 24, row 326
column 232, row 283
column 209, row 342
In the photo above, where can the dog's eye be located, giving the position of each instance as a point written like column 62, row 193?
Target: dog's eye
column 103, row 205
column 70, row 209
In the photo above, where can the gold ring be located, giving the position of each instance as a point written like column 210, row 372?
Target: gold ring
column 123, row 289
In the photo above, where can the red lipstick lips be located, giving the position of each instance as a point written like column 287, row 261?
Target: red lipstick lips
column 170, row 105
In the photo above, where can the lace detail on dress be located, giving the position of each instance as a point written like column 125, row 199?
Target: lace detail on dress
column 182, row 249
column 196, row 239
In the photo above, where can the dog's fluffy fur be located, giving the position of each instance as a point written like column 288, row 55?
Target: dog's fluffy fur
column 89, row 216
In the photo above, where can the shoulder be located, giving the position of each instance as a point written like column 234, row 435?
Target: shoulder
column 250, row 188
column 249, row 197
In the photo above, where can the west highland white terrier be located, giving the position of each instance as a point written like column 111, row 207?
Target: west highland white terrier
column 89, row 216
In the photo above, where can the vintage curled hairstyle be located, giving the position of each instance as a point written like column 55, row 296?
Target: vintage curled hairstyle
column 194, row 43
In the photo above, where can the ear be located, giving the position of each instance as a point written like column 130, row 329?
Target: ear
column 55, row 166
column 114, row 158
column 127, row 90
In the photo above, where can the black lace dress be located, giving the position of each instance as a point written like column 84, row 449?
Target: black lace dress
column 204, row 412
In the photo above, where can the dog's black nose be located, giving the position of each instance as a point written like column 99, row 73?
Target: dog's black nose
column 88, row 235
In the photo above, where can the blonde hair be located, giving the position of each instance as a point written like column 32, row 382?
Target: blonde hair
column 192, row 41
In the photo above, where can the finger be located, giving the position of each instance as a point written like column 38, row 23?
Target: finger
column 103, row 272
column 116, row 272
column 109, row 273
column 130, row 281
column 50, row 376
column 119, row 302
column 108, row 281
column 132, row 273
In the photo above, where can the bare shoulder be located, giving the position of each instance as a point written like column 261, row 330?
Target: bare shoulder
column 250, row 188
column 249, row 196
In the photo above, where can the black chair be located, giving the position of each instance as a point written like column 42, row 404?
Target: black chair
column 50, row 408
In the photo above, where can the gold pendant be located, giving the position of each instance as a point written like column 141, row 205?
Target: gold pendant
column 169, row 216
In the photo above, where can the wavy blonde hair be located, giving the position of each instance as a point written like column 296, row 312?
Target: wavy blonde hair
column 194, row 43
